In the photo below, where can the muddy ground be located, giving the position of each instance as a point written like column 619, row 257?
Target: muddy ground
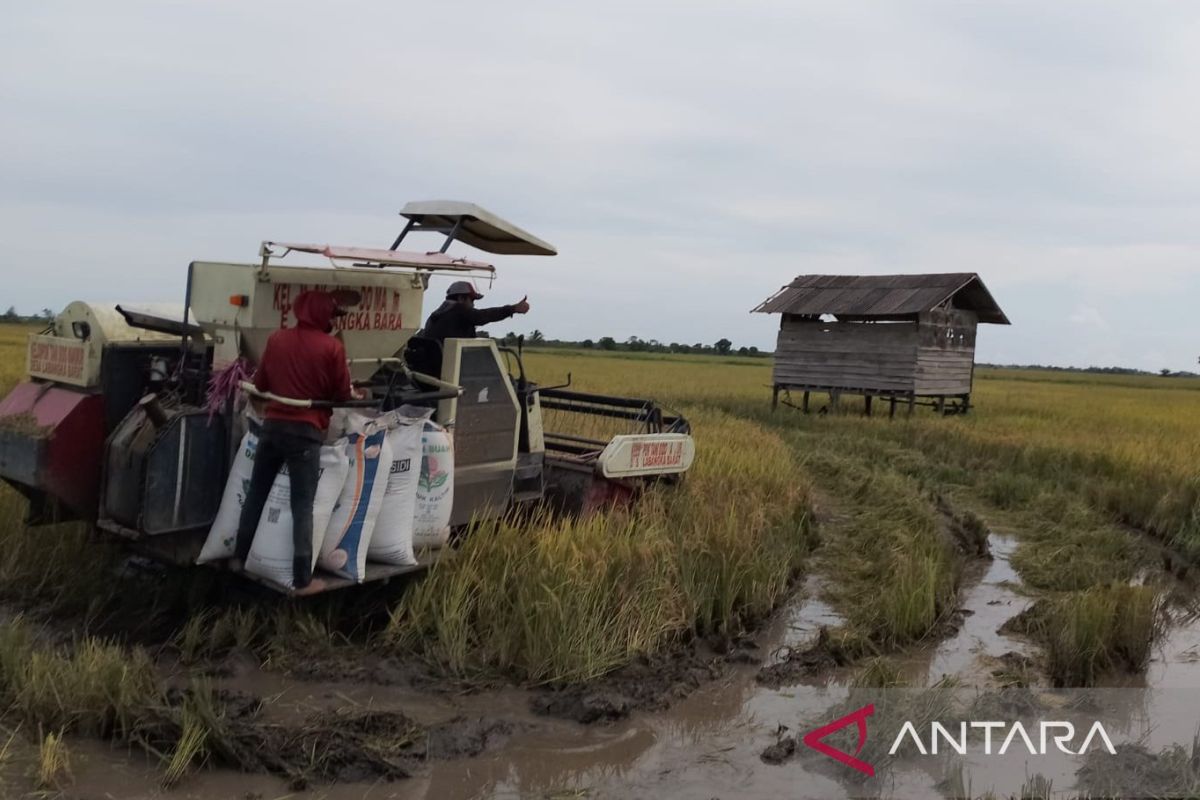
column 715, row 718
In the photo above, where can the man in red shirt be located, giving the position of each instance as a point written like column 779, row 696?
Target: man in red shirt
column 302, row 363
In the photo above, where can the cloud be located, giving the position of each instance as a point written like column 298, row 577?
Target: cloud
column 686, row 157
column 1088, row 316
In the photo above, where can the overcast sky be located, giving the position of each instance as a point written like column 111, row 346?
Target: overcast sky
column 687, row 158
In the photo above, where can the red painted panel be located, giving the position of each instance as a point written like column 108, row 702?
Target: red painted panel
column 604, row 494
column 74, row 441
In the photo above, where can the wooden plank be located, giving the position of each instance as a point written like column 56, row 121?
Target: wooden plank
column 925, row 369
column 944, row 352
column 811, row 362
column 907, row 356
column 909, row 342
column 947, row 388
column 833, row 358
column 901, row 394
column 858, row 386
column 859, row 364
column 851, row 368
column 948, row 356
column 845, row 358
column 795, row 323
column 845, row 344
column 943, row 369
column 928, row 371
column 851, row 332
column 944, row 363
column 850, row 347
column 842, row 377
column 940, row 379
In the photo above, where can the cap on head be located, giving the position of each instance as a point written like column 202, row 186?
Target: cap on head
column 459, row 288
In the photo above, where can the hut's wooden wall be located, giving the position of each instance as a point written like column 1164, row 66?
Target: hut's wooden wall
column 933, row 356
column 854, row 356
column 945, row 351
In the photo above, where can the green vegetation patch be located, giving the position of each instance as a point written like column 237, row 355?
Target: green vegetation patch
column 552, row 600
column 1088, row 633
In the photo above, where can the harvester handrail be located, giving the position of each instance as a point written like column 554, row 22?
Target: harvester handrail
column 411, row 373
column 250, row 389
column 372, row 257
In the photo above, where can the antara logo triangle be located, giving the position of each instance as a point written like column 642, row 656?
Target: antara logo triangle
column 814, row 739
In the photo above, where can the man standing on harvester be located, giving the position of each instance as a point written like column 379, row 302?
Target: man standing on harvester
column 304, row 363
column 458, row 317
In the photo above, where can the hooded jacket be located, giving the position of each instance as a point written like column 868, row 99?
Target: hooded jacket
column 305, row 363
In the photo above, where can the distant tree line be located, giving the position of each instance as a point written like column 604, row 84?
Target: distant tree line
column 11, row 315
column 635, row 344
column 1166, row 373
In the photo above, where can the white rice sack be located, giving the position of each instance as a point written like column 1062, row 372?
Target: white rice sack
column 344, row 549
column 435, row 489
column 271, row 554
column 222, row 536
column 392, row 541
column 345, row 421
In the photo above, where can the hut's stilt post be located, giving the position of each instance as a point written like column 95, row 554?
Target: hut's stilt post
column 940, row 405
column 774, row 398
column 892, row 407
column 912, row 402
column 804, row 402
column 966, row 403
column 867, row 403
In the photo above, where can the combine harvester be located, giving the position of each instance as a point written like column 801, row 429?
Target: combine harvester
column 113, row 426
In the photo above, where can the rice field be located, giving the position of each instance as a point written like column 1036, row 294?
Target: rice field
column 1096, row 476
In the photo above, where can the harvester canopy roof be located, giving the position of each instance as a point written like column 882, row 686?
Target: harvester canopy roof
column 476, row 226
column 386, row 258
column 883, row 296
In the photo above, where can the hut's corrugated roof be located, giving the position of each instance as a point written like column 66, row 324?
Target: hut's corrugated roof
column 883, row 295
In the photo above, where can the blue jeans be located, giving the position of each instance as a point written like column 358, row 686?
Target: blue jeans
column 298, row 445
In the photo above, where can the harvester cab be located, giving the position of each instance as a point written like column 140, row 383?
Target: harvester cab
column 127, row 420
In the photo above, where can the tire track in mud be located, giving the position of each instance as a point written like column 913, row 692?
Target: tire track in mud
column 966, row 644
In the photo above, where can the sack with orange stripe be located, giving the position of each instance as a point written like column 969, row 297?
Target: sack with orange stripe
column 344, row 550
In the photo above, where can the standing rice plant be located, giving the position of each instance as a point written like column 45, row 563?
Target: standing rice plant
column 894, row 571
column 194, row 640
column 551, row 601
column 1088, row 633
column 95, row 689
column 919, row 592
column 558, row 600
column 54, row 763
column 59, row 565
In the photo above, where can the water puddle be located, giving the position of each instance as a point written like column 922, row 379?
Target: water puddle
column 969, row 655
column 705, row 745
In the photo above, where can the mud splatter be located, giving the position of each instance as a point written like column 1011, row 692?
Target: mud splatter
column 796, row 664
column 782, row 751
column 343, row 745
column 650, row 683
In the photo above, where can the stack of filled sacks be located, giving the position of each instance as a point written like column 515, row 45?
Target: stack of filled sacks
column 371, row 503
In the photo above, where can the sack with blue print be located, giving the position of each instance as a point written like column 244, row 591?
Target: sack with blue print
column 348, row 535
